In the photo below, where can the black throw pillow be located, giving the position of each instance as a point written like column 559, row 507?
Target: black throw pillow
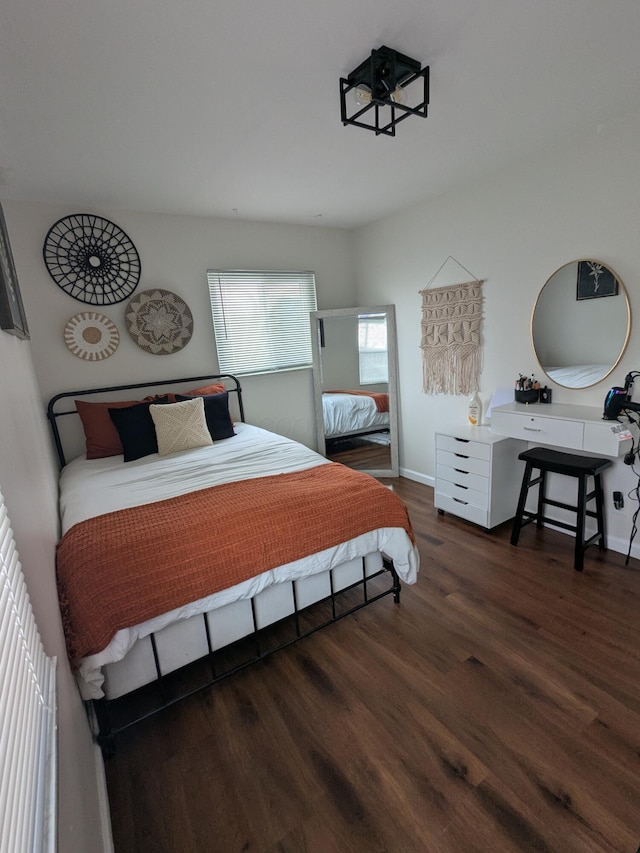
column 216, row 413
column 136, row 429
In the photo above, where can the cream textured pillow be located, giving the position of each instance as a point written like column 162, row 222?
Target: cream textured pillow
column 180, row 426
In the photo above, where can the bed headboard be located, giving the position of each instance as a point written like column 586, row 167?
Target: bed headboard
column 113, row 392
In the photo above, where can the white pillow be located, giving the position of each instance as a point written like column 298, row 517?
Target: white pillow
column 180, row 426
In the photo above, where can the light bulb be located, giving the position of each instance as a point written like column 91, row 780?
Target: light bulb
column 398, row 95
column 362, row 95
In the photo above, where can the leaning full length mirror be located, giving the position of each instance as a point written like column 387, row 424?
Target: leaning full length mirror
column 354, row 377
column 580, row 323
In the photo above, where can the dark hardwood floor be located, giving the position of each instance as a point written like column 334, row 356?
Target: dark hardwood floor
column 360, row 453
column 496, row 708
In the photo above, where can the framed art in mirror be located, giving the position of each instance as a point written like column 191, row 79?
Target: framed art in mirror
column 595, row 280
column 12, row 316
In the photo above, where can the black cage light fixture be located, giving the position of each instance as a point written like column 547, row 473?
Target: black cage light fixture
column 382, row 91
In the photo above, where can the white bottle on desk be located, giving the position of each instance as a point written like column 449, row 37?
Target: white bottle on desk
column 475, row 410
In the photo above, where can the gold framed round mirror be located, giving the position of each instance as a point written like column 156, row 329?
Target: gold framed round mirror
column 580, row 323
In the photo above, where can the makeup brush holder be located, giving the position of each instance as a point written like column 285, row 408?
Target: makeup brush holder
column 530, row 396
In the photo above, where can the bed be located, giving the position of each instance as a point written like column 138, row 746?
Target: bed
column 578, row 375
column 168, row 558
column 351, row 413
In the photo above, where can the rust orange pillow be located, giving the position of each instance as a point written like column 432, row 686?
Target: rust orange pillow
column 101, row 436
column 217, row 388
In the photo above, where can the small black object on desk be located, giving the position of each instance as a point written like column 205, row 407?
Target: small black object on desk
column 529, row 396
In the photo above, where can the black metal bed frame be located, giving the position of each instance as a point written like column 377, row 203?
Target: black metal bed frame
column 107, row 727
column 346, row 436
column 52, row 415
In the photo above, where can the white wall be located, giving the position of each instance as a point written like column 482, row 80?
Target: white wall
column 28, row 480
column 513, row 229
column 340, row 362
column 175, row 253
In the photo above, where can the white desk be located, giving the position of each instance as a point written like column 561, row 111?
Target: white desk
column 562, row 425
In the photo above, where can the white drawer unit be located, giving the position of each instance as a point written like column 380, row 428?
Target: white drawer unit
column 478, row 474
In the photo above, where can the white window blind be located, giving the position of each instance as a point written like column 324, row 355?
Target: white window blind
column 27, row 714
column 373, row 349
column 261, row 319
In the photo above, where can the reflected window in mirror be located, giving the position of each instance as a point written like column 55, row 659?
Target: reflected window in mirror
column 373, row 349
column 580, row 323
column 355, row 387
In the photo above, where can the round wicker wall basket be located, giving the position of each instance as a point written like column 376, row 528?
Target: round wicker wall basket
column 159, row 321
column 91, row 336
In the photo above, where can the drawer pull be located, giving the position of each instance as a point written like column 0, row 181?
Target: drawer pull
column 458, row 501
column 460, row 471
column 458, row 486
column 532, row 429
column 460, row 455
column 463, row 440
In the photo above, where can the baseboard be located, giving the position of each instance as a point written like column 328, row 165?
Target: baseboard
column 419, row 478
column 616, row 543
column 103, row 803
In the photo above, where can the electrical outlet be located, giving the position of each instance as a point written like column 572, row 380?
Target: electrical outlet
column 618, row 500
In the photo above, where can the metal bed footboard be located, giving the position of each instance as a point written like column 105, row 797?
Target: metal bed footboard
column 107, row 725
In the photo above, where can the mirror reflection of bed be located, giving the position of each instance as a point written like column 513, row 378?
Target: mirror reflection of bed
column 355, row 387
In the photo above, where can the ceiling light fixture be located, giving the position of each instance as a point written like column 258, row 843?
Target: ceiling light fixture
column 387, row 88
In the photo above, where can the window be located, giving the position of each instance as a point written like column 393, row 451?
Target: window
column 372, row 349
column 27, row 711
column 261, row 319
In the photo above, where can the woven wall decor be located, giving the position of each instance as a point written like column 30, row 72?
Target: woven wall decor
column 451, row 338
column 91, row 259
column 91, row 336
column 159, row 321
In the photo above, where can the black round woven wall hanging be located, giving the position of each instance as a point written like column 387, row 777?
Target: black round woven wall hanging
column 91, row 259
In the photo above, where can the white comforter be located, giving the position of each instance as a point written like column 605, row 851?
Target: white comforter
column 578, row 375
column 93, row 487
column 347, row 413
column 90, row 487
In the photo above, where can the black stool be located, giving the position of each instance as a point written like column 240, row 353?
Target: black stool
column 571, row 465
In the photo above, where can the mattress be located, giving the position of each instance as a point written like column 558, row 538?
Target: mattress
column 89, row 488
column 348, row 413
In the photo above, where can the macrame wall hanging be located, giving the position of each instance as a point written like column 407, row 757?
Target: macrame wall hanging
column 451, row 339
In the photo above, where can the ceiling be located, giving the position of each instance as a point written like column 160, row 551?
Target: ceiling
column 231, row 107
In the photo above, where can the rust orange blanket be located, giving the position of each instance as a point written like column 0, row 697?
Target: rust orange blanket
column 124, row 567
column 380, row 398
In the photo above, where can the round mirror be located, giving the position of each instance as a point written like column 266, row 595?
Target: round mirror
column 580, row 323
